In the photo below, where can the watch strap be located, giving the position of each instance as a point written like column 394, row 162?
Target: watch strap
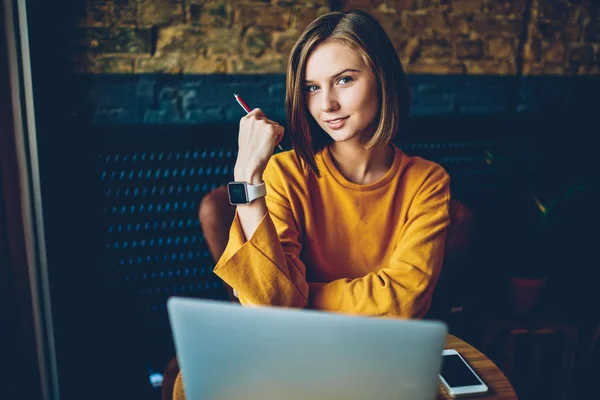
column 256, row 191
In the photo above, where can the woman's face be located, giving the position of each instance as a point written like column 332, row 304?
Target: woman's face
column 341, row 93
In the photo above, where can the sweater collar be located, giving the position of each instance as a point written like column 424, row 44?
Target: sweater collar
column 384, row 180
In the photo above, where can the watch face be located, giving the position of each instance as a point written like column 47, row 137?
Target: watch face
column 237, row 193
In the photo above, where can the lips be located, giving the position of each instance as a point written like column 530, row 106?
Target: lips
column 336, row 123
column 333, row 120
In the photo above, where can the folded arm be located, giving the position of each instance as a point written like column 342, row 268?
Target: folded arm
column 267, row 270
column 260, row 270
column 405, row 287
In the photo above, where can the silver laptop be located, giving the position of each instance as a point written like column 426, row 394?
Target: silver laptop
column 227, row 351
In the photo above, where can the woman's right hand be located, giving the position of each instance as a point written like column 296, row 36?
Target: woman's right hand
column 257, row 139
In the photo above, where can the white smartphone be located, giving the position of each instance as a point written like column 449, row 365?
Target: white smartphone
column 458, row 377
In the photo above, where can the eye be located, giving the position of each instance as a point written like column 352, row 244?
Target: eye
column 345, row 79
column 311, row 88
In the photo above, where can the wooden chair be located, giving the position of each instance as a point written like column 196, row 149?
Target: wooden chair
column 537, row 354
column 458, row 241
column 587, row 362
column 216, row 215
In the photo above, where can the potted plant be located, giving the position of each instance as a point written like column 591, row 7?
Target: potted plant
column 534, row 211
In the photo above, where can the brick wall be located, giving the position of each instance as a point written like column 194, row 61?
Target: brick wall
column 498, row 37
column 563, row 38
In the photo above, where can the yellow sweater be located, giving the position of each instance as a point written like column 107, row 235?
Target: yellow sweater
column 330, row 244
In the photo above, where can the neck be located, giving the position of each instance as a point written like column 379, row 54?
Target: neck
column 360, row 165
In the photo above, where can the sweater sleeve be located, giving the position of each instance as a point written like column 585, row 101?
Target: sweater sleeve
column 404, row 287
column 266, row 269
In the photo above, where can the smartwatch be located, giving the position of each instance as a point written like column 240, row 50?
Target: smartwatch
column 244, row 193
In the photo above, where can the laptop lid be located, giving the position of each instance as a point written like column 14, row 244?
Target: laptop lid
column 227, row 351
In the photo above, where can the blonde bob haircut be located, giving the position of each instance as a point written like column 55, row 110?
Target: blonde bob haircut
column 362, row 33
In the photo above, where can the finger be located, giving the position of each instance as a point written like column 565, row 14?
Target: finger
column 279, row 138
column 278, row 132
column 271, row 122
column 258, row 113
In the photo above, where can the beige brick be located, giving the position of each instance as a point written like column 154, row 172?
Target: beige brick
column 544, row 69
column 113, row 40
column 440, row 23
column 111, row 65
column 283, row 42
column 505, row 8
column 100, row 64
column 300, row 3
column 196, row 40
column 96, row 14
column 178, row 39
column 435, row 48
column 391, row 24
column 172, row 64
column 582, row 55
column 467, row 6
column 487, row 25
column 263, row 16
column 217, row 14
column 223, row 41
column 554, row 53
column 588, row 70
column 125, row 13
column 408, row 50
column 488, row 67
column 419, row 4
column 366, row 5
column 427, row 24
column 272, row 64
column 461, row 25
column 531, row 68
column 469, row 49
column 572, row 33
column 302, row 16
column 582, row 14
column 501, row 48
column 442, row 69
column 160, row 12
column 205, row 65
column 256, row 41
column 532, row 50
column 403, row 5
column 417, row 24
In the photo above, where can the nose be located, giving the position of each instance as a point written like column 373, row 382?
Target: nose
column 329, row 101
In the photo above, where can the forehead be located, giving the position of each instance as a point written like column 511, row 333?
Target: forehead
column 330, row 58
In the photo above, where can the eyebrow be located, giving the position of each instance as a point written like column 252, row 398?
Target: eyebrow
column 338, row 74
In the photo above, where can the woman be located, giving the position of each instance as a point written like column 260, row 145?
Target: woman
column 349, row 223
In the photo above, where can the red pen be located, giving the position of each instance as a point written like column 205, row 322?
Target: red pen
column 247, row 109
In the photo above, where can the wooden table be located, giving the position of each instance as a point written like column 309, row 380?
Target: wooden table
column 500, row 387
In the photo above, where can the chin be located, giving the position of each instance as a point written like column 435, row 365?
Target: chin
column 342, row 136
